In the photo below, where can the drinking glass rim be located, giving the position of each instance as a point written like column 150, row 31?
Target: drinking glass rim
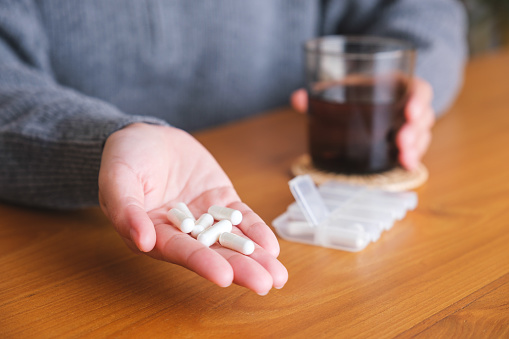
column 400, row 46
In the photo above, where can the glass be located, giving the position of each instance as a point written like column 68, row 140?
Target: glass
column 358, row 90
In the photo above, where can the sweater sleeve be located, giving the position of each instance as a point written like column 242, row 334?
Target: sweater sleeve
column 437, row 28
column 51, row 137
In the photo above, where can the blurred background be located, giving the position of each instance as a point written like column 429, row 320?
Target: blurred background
column 489, row 25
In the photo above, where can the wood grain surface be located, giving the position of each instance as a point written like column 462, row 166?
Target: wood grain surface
column 443, row 271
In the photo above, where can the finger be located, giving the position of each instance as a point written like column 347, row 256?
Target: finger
column 131, row 245
column 407, row 136
column 275, row 268
column 428, row 118
column 247, row 271
column 423, row 143
column 141, row 228
column 256, row 229
column 406, row 139
column 122, row 199
column 299, row 100
column 421, row 95
column 426, row 140
column 179, row 248
column 425, row 120
column 410, row 160
column 413, row 142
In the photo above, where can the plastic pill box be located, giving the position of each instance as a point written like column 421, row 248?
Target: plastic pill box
column 340, row 215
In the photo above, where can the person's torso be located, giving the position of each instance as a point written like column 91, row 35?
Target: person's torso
column 192, row 63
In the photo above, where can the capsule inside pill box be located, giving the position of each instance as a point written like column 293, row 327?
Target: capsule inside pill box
column 407, row 199
column 298, row 226
column 348, row 239
column 349, row 236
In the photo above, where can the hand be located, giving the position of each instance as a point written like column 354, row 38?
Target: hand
column 145, row 170
column 414, row 137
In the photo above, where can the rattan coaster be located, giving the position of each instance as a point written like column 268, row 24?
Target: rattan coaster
column 396, row 180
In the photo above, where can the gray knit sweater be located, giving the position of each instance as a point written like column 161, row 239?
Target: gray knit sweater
column 74, row 71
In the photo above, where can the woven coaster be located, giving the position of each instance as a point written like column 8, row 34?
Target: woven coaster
column 396, row 180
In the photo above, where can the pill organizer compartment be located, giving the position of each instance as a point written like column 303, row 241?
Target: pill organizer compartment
column 339, row 215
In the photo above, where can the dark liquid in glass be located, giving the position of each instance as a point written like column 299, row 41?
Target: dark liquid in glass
column 353, row 127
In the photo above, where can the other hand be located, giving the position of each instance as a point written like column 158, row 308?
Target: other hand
column 414, row 137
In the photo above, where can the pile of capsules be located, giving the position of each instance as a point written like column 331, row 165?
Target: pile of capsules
column 207, row 232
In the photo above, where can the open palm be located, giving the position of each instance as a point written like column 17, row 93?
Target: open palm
column 145, row 171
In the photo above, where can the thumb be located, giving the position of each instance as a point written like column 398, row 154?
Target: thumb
column 141, row 229
column 121, row 197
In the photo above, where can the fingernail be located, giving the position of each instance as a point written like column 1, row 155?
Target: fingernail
column 263, row 293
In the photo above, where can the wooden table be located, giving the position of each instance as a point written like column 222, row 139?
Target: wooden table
column 441, row 271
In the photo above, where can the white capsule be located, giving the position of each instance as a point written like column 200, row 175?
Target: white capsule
column 197, row 230
column 225, row 213
column 181, row 220
column 183, row 207
column 348, row 239
column 202, row 223
column 299, row 228
column 210, row 235
column 205, row 220
column 237, row 243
